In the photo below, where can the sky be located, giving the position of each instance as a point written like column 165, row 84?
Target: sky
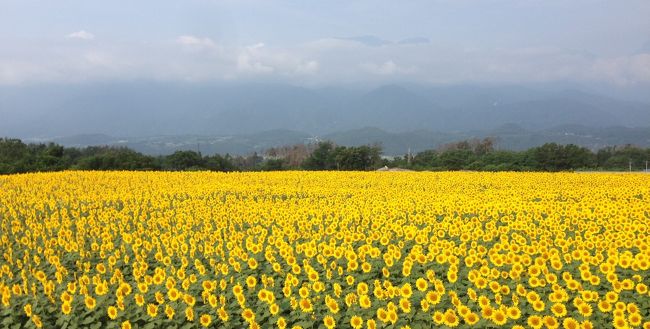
column 326, row 42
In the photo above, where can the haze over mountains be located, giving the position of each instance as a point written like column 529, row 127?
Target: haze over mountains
column 157, row 117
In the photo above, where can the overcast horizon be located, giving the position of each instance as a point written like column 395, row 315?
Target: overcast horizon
column 602, row 43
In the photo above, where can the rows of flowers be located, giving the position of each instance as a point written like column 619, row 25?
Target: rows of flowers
column 324, row 250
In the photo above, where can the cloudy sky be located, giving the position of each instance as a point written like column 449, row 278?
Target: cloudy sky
column 326, row 42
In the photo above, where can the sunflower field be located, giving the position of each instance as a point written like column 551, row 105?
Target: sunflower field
column 324, row 250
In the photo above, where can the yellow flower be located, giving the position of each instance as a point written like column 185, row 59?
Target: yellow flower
column 421, row 284
column 28, row 310
column 570, row 323
column 306, row 305
column 152, row 310
column 37, row 321
column 329, row 322
column 450, row 319
column 173, row 294
column 205, row 320
column 499, row 317
column 223, row 315
column 169, row 312
column 356, row 322
column 248, row 315
column 535, row 321
column 281, row 323
column 66, row 308
column 559, row 310
column 90, row 302
column 189, row 314
column 112, row 312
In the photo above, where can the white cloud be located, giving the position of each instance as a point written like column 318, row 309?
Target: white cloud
column 309, row 67
column 386, row 68
column 324, row 61
column 83, row 35
column 623, row 70
column 250, row 59
column 196, row 42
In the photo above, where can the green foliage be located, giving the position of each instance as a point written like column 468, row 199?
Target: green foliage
column 478, row 155
column 329, row 157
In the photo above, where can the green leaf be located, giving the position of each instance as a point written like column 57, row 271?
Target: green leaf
column 88, row 320
column 149, row 325
column 7, row 321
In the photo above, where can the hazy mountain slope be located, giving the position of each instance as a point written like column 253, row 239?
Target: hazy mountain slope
column 510, row 136
column 138, row 108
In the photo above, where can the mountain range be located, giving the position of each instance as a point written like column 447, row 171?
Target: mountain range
column 508, row 137
column 250, row 116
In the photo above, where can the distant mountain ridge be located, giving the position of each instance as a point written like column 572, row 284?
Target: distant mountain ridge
column 509, row 136
column 153, row 108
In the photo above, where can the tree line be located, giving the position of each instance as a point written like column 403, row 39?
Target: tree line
column 480, row 155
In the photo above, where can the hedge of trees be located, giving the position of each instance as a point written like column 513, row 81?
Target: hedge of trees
column 480, row 155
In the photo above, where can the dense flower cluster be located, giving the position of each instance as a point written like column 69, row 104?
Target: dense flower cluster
column 324, row 249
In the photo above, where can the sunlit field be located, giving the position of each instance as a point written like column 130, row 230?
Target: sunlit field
column 324, row 250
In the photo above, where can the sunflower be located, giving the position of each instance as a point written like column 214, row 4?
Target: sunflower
column 550, row 322
column 37, row 321
column 620, row 322
column 205, row 320
column 173, row 294
column 406, row 290
column 237, row 289
column 382, row 315
column 585, row 310
column 559, row 310
column 251, row 282
column 535, row 321
column 570, row 323
column 248, row 315
column 433, row 297
column 169, row 312
column 112, row 312
column 635, row 319
column 499, row 317
column 586, row 324
column 514, row 312
column 421, row 284
column 450, row 319
column 604, row 306
column 126, row 325
column 223, row 315
column 189, row 313
column 139, row 299
column 332, row 305
column 329, row 322
column 152, row 310
column 281, row 323
column 405, row 305
column 66, row 308
column 471, row 318
column 90, row 302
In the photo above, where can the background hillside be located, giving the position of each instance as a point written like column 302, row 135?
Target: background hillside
column 158, row 118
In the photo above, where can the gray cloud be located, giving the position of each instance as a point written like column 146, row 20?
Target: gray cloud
column 320, row 61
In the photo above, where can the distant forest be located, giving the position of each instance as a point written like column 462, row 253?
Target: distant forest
column 476, row 154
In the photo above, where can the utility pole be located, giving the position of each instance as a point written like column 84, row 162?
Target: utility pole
column 646, row 165
column 630, row 164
